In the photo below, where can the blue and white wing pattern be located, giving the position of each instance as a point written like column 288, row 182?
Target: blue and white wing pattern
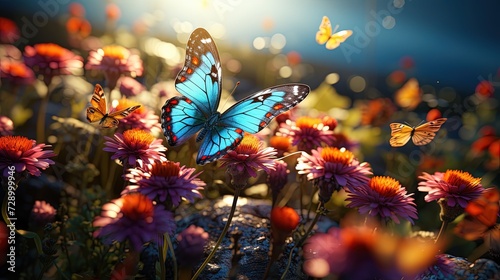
column 200, row 81
column 250, row 115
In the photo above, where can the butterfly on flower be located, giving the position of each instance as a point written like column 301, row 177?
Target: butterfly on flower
column 420, row 135
column 481, row 216
column 98, row 111
column 326, row 35
column 200, row 83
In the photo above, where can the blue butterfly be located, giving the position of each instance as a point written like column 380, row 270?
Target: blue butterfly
column 200, row 81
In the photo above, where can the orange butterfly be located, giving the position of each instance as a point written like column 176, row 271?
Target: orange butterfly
column 409, row 95
column 98, row 111
column 420, row 135
column 325, row 35
column 481, row 215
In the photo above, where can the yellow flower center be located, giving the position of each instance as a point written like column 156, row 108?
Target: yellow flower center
column 250, row 144
column 116, row 52
column 280, row 143
column 165, row 169
column 15, row 143
column 458, row 178
column 137, row 137
column 50, row 50
column 332, row 154
column 137, row 207
column 307, row 122
column 384, row 185
column 126, row 103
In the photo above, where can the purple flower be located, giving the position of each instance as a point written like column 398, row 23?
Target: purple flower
column 52, row 60
column 43, row 213
column 455, row 186
column 24, row 154
column 277, row 178
column 164, row 181
column 114, row 61
column 135, row 147
column 384, row 197
column 191, row 244
column 129, row 86
column 307, row 133
column 135, row 218
column 331, row 168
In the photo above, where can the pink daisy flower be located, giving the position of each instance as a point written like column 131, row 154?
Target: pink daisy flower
column 455, row 186
column 24, row 154
column 129, row 86
column 52, row 60
column 384, row 197
column 43, row 213
column 307, row 133
column 165, row 180
column 247, row 158
column 115, row 61
column 135, row 218
column 135, row 147
column 142, row 118
column 191, row 244
column 6, row 126
column 331, row 168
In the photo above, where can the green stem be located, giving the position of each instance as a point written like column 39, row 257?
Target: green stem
column 222, row 235
column 444, row 226
column 42, row 111
column 171, row 249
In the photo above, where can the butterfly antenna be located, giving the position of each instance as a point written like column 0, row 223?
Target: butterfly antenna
column 231, row 94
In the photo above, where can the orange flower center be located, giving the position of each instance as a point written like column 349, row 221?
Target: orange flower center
column 137, row 207
column 166, row 169
column 15, row 143
column 458, row 178
column 126, row 103
column 384, row 185
column 249, row 145
column 137, row 137
column 280, row 143
column 50, row 50
column 17, row 69
column 332, row 154
column 330, row 122
column 307, row 122
column 116, row 52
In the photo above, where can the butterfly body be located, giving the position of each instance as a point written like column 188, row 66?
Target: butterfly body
column 327, row 36
column 98, row 111
column 420, row 135
column 200, row 82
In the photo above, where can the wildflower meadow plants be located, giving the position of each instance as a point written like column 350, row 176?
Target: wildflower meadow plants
column 141, row 200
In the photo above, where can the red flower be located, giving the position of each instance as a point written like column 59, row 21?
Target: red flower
column 9, row 33
column 16, row 72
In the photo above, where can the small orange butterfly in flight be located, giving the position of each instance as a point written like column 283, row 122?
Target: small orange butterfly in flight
column 326, row 35
column 420, row 135
column 481, row 216
column 98, row 111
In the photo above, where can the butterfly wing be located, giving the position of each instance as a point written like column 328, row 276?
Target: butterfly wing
column 325, row 31
column 112, row 119
column 400, row 134
column 98, row 108
column 481, row 215
column 338, row 38
column 200, row 80
column 424, row 133
column 180, row 119
column 249, row 115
